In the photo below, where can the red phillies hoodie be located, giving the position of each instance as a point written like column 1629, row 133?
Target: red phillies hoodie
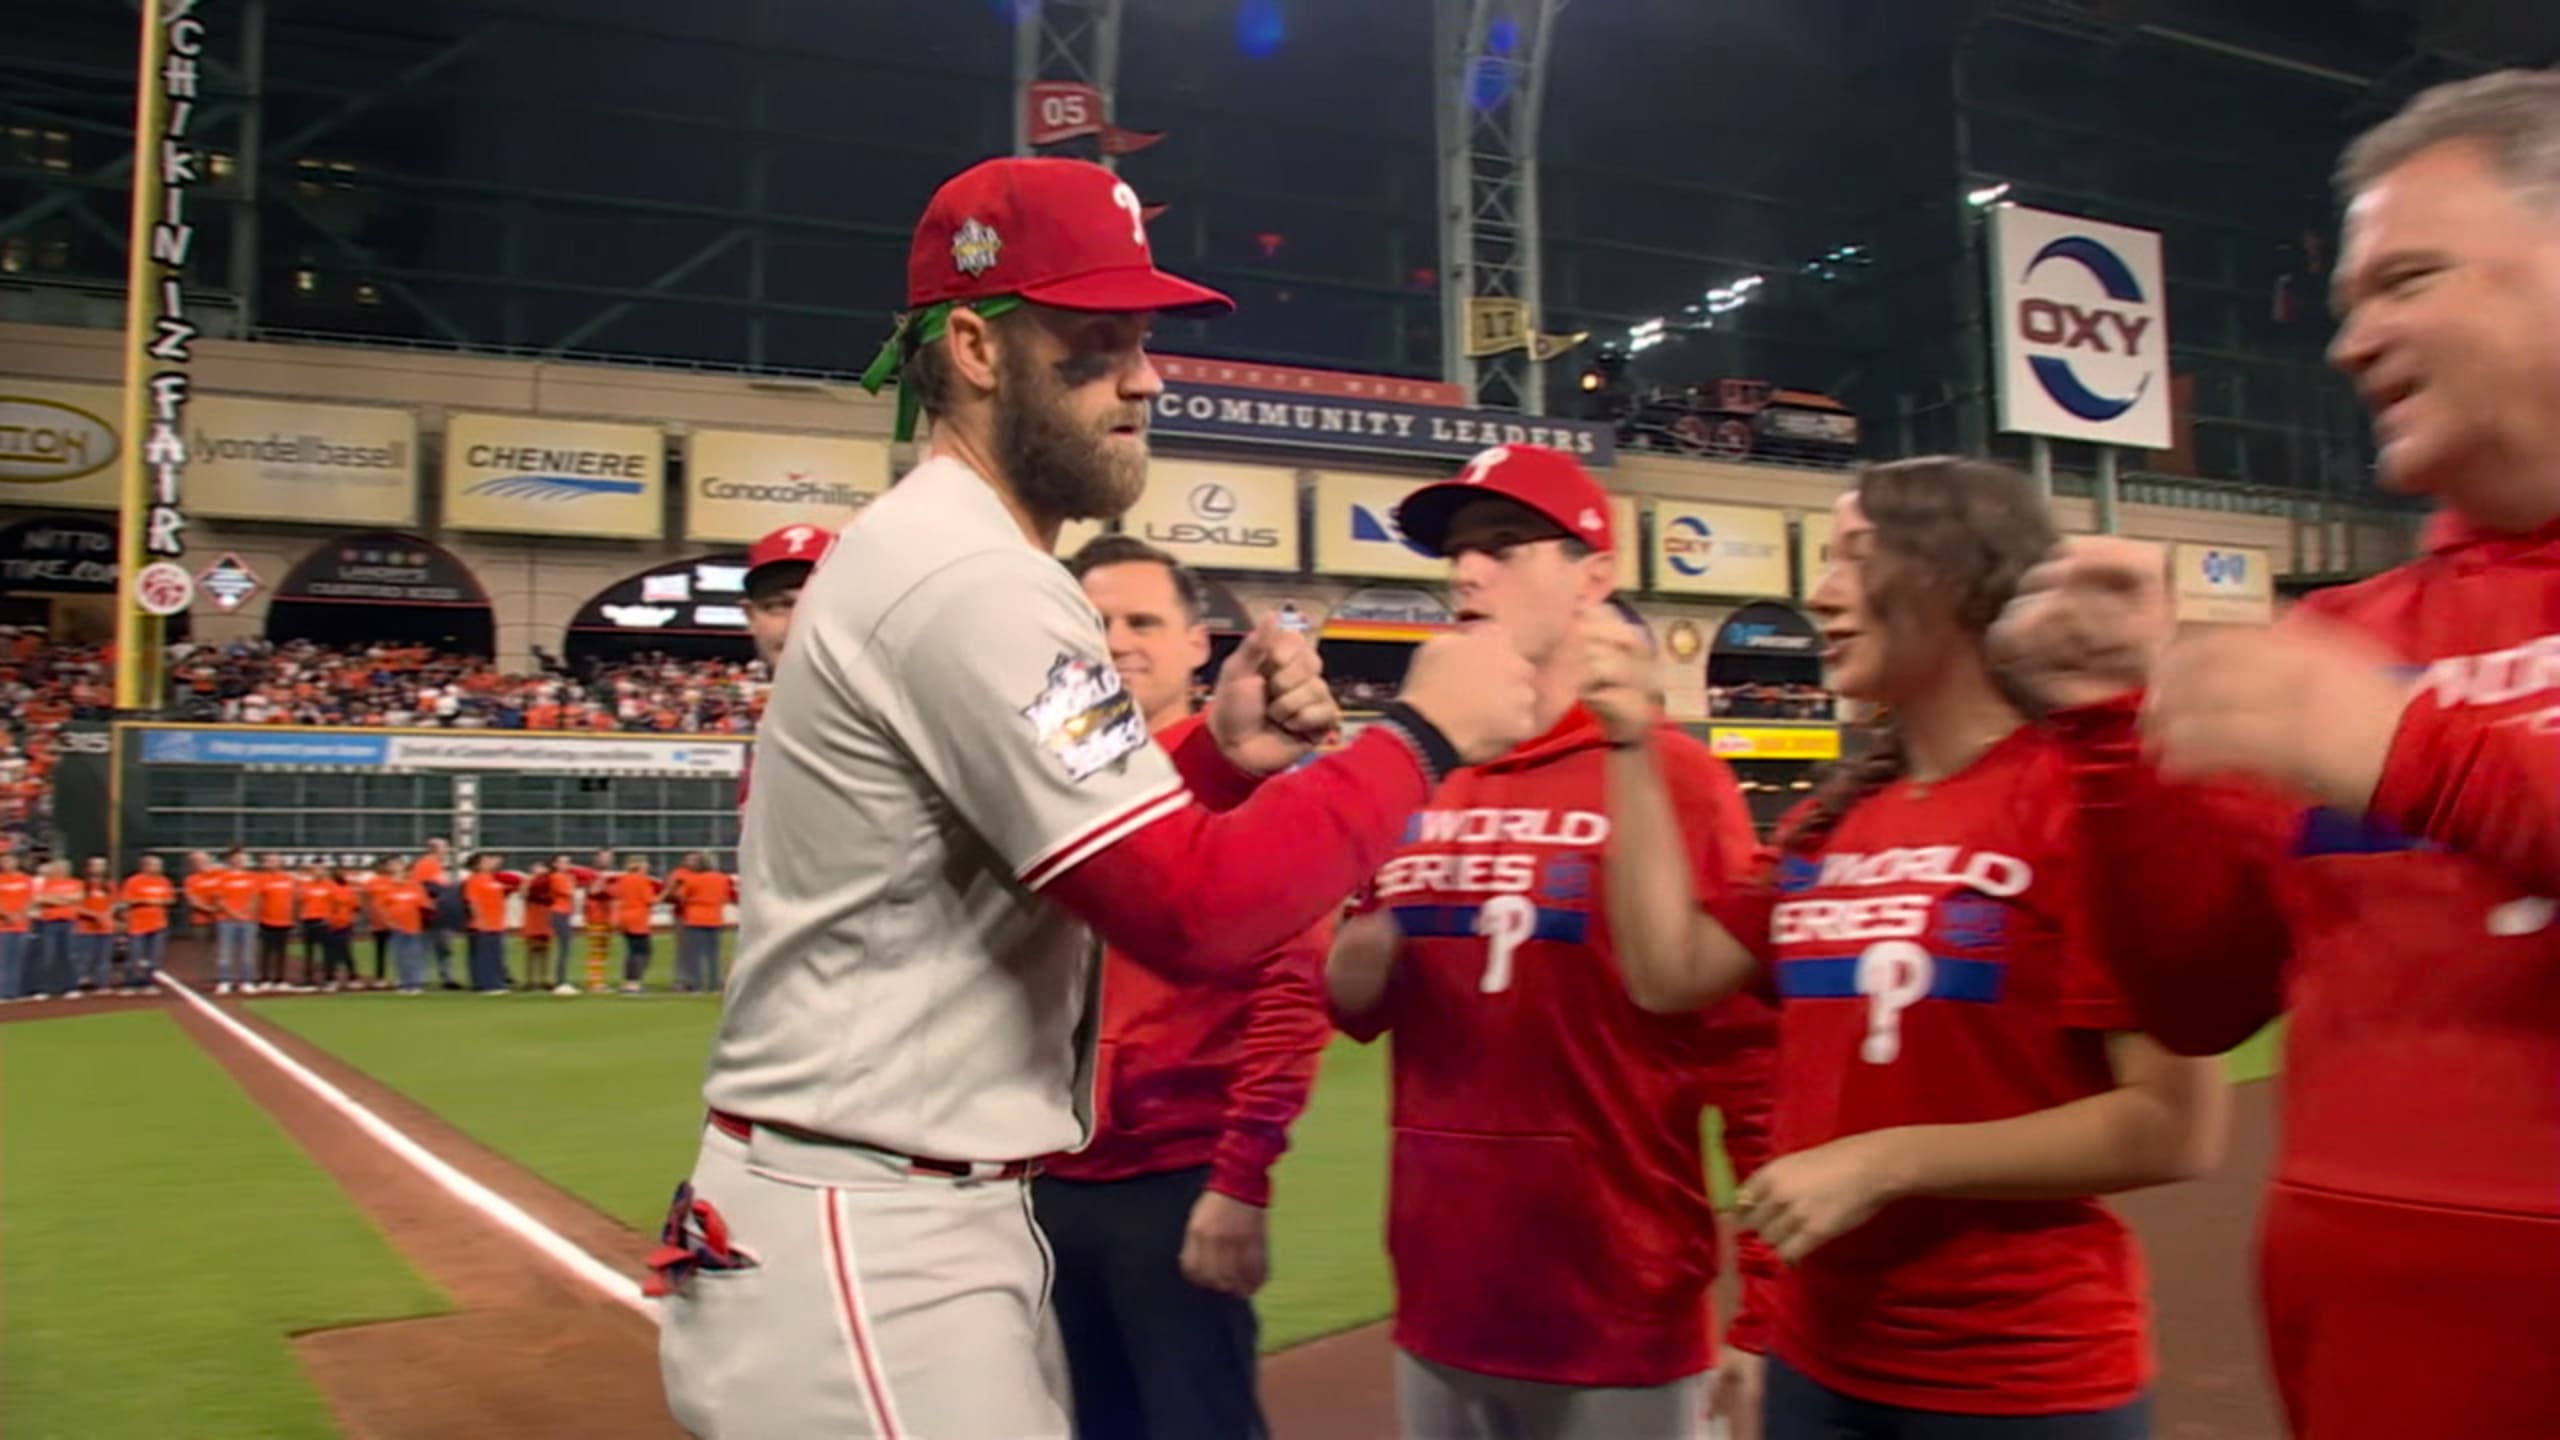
column 2414, row 1227
column 1547, row 1208
column 1203, row 1072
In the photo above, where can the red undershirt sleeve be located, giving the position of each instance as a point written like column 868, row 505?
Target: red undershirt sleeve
column 2177, row 885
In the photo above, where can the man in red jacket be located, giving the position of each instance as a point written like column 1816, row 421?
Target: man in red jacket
column 2286, row 823
column 1548, row 1218
column 1159, row 1223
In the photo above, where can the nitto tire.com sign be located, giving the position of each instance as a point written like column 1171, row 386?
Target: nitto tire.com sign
column 2080, row 320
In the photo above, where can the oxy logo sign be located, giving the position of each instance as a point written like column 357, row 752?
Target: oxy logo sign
column 2081, row 321
column 2065, row 330
column 1689, row 545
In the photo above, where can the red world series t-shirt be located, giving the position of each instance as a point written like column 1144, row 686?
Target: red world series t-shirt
column 1548, row 1217
column 1930, row 972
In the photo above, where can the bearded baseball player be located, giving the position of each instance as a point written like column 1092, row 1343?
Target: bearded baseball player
column 1547, row 1210
column 955, row 793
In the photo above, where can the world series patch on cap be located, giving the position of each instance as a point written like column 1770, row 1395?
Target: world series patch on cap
column 1549, row 482
column 1064, row 233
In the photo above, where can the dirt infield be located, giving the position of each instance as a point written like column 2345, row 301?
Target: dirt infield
column 2197, row 1238
column 530, row 1351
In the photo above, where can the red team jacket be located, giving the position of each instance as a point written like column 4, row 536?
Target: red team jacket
column 2416, row 1208
column 1203, row 1071
column 1548, row 1218
column 1932, row 971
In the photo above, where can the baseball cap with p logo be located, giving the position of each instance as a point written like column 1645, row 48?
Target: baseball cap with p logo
column 1063, row 233
column 1546, row 482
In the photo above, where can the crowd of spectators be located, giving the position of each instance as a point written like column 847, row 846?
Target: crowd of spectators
column 44, row 686
column 297, row 682
column 1770, row 702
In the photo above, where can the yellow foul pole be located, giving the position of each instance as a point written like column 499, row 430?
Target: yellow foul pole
column 159, row 341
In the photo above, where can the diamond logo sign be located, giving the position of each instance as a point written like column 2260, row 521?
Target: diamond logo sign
column 229, row 581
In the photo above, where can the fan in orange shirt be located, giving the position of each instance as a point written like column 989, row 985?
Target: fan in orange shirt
column 337, row 928
column 94, row 928
column 235, row 922
column 400, row 908
column 146, row 897
column 635, row 894
column 58, row 894
column 17, row 926
column 484, row 897
column 702, row 895
column 541, row 893
column 276, row 889
column 315, row 904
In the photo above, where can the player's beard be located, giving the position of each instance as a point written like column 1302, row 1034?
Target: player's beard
column 1058, row 466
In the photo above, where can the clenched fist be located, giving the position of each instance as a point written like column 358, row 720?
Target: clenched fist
column 2088, row 624
column 1476, row 689
column 1617, row 673
column 1272, row 703
column 2309, row 705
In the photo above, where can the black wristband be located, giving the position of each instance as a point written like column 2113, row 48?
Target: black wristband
column 1432, row 748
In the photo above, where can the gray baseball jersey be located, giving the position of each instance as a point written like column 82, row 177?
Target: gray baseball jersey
column 946, row 733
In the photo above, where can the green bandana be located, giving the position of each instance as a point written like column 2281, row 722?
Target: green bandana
column 916, row 329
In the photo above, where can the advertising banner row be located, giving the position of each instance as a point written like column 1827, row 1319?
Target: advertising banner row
column 312, row 748
column 252, row 459
column 257, row 459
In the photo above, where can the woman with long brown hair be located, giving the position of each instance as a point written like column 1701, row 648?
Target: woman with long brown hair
column 1957, row 1081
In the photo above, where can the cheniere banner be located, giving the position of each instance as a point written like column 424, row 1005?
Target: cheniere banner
column 533, row 475
column 1213, row 412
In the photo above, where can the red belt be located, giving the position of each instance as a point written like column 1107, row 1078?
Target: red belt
column 739, row 1128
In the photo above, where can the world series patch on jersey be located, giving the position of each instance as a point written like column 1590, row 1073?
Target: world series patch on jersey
column 1085, row 717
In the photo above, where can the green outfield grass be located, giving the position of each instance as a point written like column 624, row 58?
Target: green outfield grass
column 160, row 1240
column 600, row 1094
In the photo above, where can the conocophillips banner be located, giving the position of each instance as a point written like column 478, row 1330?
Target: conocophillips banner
column 1718, row 549
column 529, row 475
column 2224, row 585
column 459, row 750
column 293, row 460
column 59, row 444
column 1220, row 517
column 741, row 485
column 1374, row 426
column 1356, row 530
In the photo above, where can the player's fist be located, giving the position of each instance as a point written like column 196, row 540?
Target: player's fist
column 2087, row 624
column 2308, row 705
column 1271, row 704
column 1476, row 689
column 1617, row 673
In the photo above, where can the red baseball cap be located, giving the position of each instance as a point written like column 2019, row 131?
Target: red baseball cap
column 1549, row 482
column 789, row 545
column 1056, row 232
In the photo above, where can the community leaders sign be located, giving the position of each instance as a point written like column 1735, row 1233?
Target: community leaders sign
column 1376, row 426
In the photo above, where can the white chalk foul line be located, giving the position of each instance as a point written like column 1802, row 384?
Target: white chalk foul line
column 497, row 1208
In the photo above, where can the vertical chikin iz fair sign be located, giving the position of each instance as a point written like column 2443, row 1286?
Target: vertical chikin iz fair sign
column 159, row 338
